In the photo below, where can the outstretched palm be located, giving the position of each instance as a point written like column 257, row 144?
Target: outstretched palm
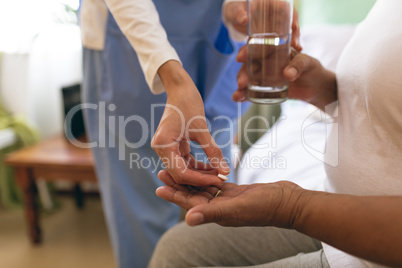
column 236, row 205
column 189, row 196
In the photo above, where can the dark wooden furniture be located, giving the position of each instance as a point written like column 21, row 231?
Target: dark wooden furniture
column 52, row 159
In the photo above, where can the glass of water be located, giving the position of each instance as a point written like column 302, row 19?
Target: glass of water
column 270, row 34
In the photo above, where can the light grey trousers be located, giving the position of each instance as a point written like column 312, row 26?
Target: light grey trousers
column 211, row 245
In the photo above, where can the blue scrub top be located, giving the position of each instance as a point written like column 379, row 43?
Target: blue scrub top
column 195, row 29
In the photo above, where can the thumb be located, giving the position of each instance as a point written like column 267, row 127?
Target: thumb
column 235, row 12
column 213, row 153
column 299, row 64
column 241, row 17
column 206, row 213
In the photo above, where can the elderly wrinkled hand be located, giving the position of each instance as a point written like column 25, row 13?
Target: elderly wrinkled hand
column 309, row 80
column 234, row 205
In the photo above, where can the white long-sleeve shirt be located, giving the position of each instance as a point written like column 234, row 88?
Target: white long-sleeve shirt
column 368, row 141
column 139, row 22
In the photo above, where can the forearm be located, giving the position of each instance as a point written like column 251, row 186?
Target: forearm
column 367, row 227
column 139, row 22
column 174, row 78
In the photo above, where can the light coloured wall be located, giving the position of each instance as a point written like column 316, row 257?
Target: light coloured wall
column 14, row 82
column 318, row 12
column 30, row 83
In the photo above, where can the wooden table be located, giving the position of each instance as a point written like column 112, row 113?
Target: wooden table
column 49, row 160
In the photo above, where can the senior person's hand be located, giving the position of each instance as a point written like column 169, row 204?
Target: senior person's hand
column 342, row 221
column 235, row 205
column 184, row 120
column 309, row 80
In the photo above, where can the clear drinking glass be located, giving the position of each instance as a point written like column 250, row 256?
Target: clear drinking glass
column 270, row 34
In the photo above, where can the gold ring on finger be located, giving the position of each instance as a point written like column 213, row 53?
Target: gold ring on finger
column 218, row 193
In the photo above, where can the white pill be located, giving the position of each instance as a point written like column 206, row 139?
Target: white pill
column 223, row 177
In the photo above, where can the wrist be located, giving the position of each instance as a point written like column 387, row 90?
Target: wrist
column 307, row 209
column 289, row 207
column 173, row 77
column 329, row 91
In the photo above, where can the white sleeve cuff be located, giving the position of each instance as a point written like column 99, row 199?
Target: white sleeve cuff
column 151, row 70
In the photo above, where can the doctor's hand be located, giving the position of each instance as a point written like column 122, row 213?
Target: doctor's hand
column 235, row 13
column 268, row 204
column 309, row 80
column 184, row 120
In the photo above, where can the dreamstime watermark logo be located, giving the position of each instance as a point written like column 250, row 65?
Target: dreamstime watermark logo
column 112, row 133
